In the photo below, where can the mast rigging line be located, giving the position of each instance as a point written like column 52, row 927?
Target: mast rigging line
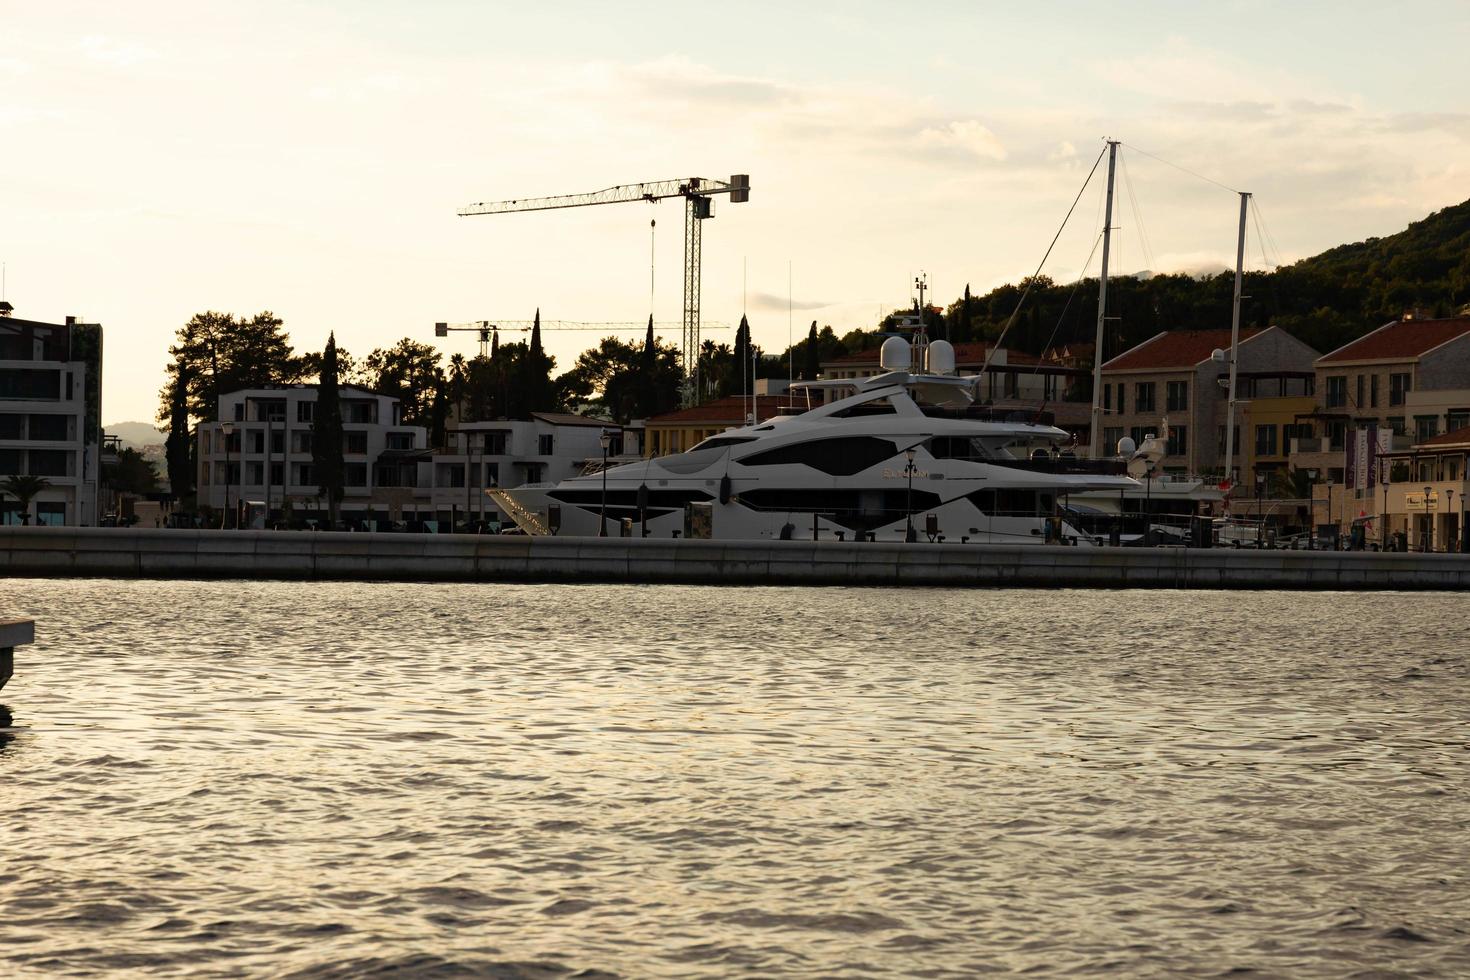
column 1170, row 163
column 1041, row 265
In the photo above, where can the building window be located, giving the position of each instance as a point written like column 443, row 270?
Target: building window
column 1107, row 402
column 278, row 474
column 10, row 462
column 1178, row 440
column 1398, row 387
column 1373, row 391
column 1110, row 439
column 1336, row 436
column 1178, row 394
column 492, row 474
column 278, row 441
column 1265, row 440
column 400, row 440
column 305, row 411
column 1138, row 433
column 492, row 443
column 305, row 475
column 1121, row 398
column 301, row 442
column 449, row 475
column 48, row 462
column 354, row 474
column 12, row 426
column 256, row 441
column 1220, row 433
column 545, row 445
column 1426, row 427
column 354, row 442
column 254, row 474
column 50, row 428
column 1457, row 419
column 1336, row 391
column 1143, row 397
column 1359, row 403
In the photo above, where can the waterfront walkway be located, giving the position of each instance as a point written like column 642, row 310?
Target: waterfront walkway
column 164, row 553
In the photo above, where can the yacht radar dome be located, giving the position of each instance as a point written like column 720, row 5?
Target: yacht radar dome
column 1126, row 446
column 894, row 354
column 941, row 357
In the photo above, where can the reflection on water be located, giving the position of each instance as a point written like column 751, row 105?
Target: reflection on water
column 327, row 780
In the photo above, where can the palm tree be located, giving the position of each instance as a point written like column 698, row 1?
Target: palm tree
column 25, row 489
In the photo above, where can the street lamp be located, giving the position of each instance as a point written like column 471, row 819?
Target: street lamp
column 1428, row 536
column 1449, row 508
column 1332, row 528
column 1260, row 520
column 604, row 439
column 910, row 535
column 228, row 429
column 1312, row 530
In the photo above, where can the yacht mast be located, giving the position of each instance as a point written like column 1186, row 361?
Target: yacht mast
column 1102, row 308
column 1229, row 480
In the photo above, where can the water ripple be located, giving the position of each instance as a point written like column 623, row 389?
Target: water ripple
column 355, row 780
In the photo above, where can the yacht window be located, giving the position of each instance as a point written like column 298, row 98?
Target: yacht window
column 722, row 442
column 881, row 406
column 836, row 457
column 958, row 447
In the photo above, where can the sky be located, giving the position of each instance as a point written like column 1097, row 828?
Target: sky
column 309, row 158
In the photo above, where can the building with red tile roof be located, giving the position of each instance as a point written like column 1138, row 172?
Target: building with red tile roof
column 1174, row 375
column 683, row 429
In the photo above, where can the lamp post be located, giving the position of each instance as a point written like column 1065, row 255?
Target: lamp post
column 1312, row 530
column 910, row 535
column 1428, row 535
column 1260, row 520
column 604, row 439
column 1449, row 508
column 228, row 429
column 1332, row 528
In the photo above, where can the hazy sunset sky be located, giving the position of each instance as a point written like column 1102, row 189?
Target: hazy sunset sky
column 308, row 158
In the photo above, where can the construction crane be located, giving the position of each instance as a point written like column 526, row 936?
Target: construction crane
column 485, row 327
column 697, row 193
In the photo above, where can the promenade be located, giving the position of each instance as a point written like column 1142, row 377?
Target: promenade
column 183, row 554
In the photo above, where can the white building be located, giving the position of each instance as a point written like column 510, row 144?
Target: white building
column 260, row 453
column 547, row 448
column 50, row 411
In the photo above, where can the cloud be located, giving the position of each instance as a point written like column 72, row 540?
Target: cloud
column 118, row 54
column 964, row 136
column 680, row 79
column 770, row 302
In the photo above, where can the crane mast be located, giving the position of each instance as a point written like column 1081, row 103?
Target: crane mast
column 697, row 193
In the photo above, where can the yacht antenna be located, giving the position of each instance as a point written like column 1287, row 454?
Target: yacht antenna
column 1234, row 345
column 1102, row 309
column 920, row 345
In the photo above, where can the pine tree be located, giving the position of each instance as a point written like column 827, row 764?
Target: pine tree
column 812, row 365
column 178, row 448
column 647, row 370
column 326, row 434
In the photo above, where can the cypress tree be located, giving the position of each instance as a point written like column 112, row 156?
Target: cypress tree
column 812, row 364
column 963, row 333
column 326, row 434
column 648, row 365
column 178, row 448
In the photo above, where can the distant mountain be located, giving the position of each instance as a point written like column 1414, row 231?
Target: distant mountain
column 136, row 434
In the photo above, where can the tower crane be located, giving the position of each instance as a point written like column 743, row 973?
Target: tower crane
column 697, row 193
column 485, row 327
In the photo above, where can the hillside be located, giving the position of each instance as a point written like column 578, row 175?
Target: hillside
column 136, row 434
column 1326, row 300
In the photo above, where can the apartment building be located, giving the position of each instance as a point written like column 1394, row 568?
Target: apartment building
column 1175, row 375
column 258, row 456
column 50, row 416
column 546, row 448
column 1409, row 376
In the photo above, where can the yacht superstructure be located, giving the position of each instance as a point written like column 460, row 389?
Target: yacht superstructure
column 904, row 456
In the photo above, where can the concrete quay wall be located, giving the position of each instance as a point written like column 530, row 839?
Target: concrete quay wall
column 165, row 553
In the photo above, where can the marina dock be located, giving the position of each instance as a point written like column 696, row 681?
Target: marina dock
column 184, row 554
column 13, row 633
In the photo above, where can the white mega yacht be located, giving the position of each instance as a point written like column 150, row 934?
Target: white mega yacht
column 906, row 456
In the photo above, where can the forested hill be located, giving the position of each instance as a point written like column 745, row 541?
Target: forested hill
column 1326, row 300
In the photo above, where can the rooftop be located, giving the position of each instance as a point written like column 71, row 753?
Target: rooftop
column 731, row 410
column 1459, row 437
column 1176, row 349
column 1399, row 340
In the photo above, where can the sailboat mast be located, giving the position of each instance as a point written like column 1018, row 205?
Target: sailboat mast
column 1235, row 343
column 1102, row 308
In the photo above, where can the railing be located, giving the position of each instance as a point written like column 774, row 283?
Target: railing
column 523, row 518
